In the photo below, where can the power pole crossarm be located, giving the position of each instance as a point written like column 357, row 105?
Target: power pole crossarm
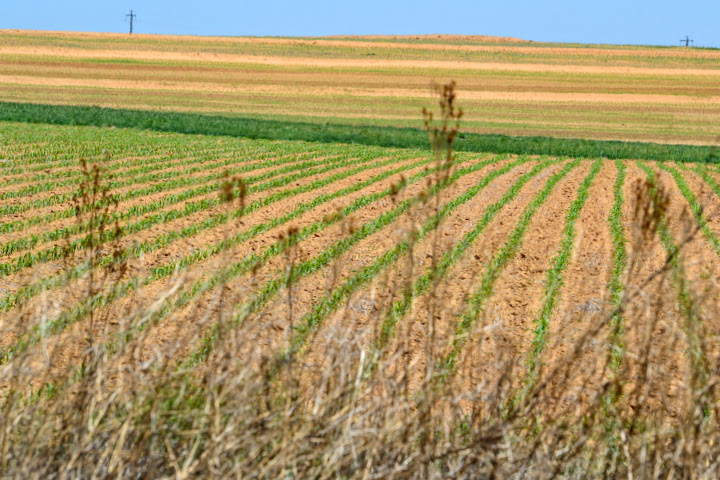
column 687, row 41
column 132, row 16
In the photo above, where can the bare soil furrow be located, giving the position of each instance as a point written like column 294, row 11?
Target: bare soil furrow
column 496, row 347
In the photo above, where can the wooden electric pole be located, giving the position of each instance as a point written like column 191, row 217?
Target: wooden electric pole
column 132, row 16
column 686, row 40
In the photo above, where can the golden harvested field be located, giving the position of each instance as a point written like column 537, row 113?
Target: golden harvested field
column 668, row 95
column 180, row 304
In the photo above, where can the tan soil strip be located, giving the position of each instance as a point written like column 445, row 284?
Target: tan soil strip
column 354, row 63
column 65, row 345
column 617, row 98
column 583, row 305
column 499, row 342
column 252, row 75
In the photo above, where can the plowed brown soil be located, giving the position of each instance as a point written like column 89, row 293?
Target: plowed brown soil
column 500, row 340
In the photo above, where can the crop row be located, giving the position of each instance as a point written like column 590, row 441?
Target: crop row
column 619, row 263
column 326, row 305
column 165, row 239
column 171, row 182
column 47, row 146
column 692, row 325
column 321, row 260
column 128, row 166
column 198, row 166
column 555, row 279
column 508, row 251
column 438, row 270
column 127, row 169
column 57, row 252
column 140, row 209
column 434, row 273
column 243, row 266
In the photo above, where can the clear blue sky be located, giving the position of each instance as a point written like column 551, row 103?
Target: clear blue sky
column 656, row 22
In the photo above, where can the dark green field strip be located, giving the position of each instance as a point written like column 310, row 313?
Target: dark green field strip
column 507, row 252
column 57, row 252
column 334, row 133
column 616, row 286
column 204, row 162
column 163, row 240
column 166, row 181
column 327, row 305
column 33, row 241
column 235, row 269
column 688, row 308
column 555, row 276
column 317, row 263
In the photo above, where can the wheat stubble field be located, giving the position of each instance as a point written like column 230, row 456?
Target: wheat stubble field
column 241, row 266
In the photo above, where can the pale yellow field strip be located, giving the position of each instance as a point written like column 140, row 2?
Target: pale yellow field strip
column 349, row 63
column 318, row 90
column 488, row 46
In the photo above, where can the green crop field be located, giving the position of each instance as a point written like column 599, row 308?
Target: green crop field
column 241, row 257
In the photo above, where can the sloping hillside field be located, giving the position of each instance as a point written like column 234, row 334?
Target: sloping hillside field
column 667, row 95
column 282, row 303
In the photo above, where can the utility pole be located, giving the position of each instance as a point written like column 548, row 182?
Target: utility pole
column 131, row 15
column 687, row 41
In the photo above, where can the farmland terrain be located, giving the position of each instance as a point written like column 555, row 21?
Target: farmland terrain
column 507, row 86
column 235, row 256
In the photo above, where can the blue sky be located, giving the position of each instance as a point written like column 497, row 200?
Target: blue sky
column 656, row 22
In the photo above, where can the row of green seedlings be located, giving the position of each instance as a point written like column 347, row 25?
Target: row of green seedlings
column 268, row 291
column 695, row 206
column 252, row 262
column 35, row 148
column 56, row 252
column 494, row 267
column 555, row 279
column 433, row 274
column 133, row 167
column 173, row 179
column 693, row 326
column 63, row 176
column 55, row 178
column 166, row 181
column 165, row 239
column 131, row 149
column 295, row 164
column 616, row 285
column 60, row 174
column 245, row 265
